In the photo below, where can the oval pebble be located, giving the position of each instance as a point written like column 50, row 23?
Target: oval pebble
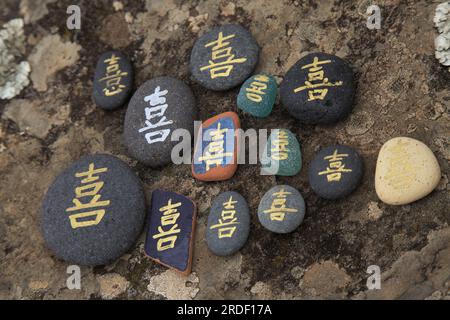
column 335, row 172
column 282, row 155
column 160, row 106
column 281, row 209
column 228, row 224
column 94, row 211
column 257, row 95
column 406, row 171
column 318, row 89
column 224, row 57
column 113, row 80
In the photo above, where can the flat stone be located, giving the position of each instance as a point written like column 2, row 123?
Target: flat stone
column 113, row 80
column 305, row 96
column 406, row 171
column 94, row 211
column 281, row 209
column 160, row 106
column 215, row 154
column 224, row 57
column 228, row 224
column 282, row 155
column 335, row 172
column 257, row 95
column 171, row 230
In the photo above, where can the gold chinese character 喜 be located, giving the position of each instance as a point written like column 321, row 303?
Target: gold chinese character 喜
column 170, row 215
column 335, row 167
column 279, row 150
column 227, row 221
column 257, row 87
column 91, row 186
column 113, row 76
column 278, row 209
column 317, row 90
column 215, row 154
column 222, row 57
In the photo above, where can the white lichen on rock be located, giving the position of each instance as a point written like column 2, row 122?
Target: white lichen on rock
column 13, row 75
column 442, row 42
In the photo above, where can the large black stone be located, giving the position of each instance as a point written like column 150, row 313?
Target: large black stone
column 335, row 172
column 160, row 106
column 113, row 80
column 224, row 57
column 321, row 104
column 113, row 202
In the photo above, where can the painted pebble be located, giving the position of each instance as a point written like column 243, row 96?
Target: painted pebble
column 257, row 95
column 224, row 57
column 228, row 224
column 113, row 80
column 282, row 155
column 406, row 171
column 281, row 209
column 170, row 230
column 160, row 106
column 94, row 211
column 335, row 172
column 215, row 155
column 318, row 89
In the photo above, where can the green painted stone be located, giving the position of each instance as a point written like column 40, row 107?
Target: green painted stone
column 282, row 155
column 257, row 95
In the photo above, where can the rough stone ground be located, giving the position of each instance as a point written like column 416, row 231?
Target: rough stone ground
column 402, row 90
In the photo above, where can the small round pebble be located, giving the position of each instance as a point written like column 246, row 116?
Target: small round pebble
column 335, row 172
column 282, row 155
column 113, row 80
column 257, row 95
column 318, row 89
column 224, row 57
column 228, row 224
column 281, row 209
column 160, row 106
column 94, row 211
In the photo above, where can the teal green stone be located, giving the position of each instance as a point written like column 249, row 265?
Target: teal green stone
column 257, row 95
column 282, row 155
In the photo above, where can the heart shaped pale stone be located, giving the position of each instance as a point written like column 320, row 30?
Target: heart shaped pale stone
column 406, row 171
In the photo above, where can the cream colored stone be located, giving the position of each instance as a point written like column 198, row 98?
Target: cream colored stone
column 406, row 171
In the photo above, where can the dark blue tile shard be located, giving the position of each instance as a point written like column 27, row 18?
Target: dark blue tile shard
column 170, row 230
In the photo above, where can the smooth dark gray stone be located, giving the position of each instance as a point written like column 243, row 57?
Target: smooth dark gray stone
column 179, row 114
column 291, row 220
column 243, row 45
column 226, row 245
column 118, row 229
column 328, row 186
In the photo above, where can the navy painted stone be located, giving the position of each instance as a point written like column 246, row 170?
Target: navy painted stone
column 281, row 209
column 94, row 211
column 228, row 224
column 257, row 95
column 335, row 172
column 113, row 80
column 171, row 230
column 160, row 106
column 318, row 89
column 224, row 57
column 282, row 155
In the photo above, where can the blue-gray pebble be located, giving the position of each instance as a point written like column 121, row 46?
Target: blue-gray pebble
column 113, row 80
column 228, row 224
column 281, row 209
column 94, row 211
column 335, row 172
column 224, row 57
column 160, row 106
